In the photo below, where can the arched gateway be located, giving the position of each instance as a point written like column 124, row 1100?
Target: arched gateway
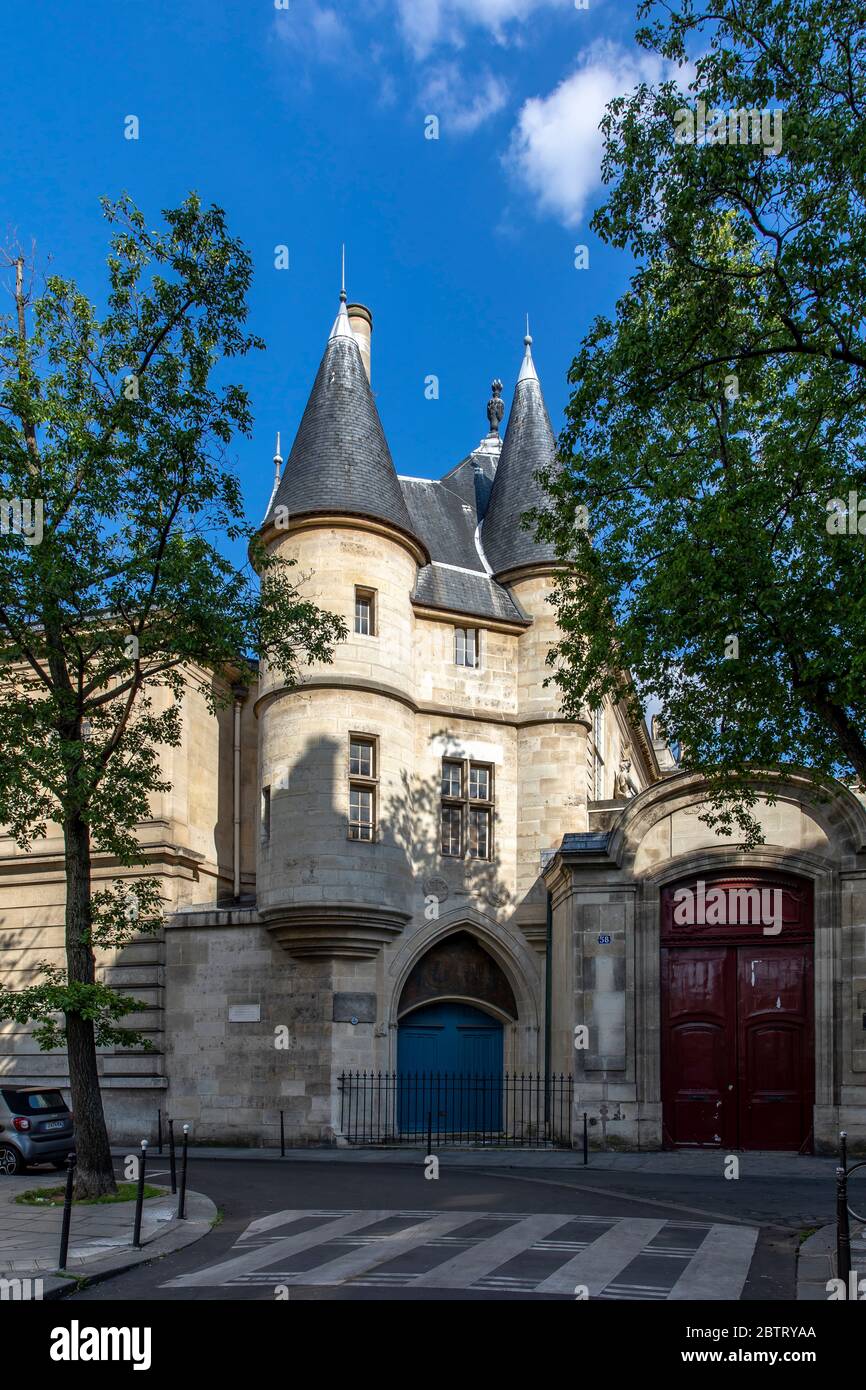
column 450, row 1045
column 709, row 994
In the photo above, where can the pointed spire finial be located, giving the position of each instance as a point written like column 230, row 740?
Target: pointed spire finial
column 527, row 370
column 342, row 328
column 278, row 461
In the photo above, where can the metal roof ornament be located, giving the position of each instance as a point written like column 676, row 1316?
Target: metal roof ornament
column 495, row 407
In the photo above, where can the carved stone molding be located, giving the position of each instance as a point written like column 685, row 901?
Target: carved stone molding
column 325, row 931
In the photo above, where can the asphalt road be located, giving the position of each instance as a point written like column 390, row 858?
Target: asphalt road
column 515, row 1229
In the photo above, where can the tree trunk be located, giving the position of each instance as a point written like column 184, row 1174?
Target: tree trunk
column 94, row 1173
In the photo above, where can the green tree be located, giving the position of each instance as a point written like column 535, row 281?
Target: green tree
column 118, row 503
column 715, row 436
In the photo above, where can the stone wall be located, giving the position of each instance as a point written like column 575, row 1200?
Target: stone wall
column 606, row 892
column 188, row 846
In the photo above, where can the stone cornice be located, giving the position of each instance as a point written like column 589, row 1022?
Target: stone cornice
column 544, row 568
column 53, row 861
column 346, row 521
column 323, row 931
column 459, row 712
column 451, row 615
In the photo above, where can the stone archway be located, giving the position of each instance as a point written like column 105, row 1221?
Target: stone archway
column 457, row 968
column 607, row 890
column 516, row 999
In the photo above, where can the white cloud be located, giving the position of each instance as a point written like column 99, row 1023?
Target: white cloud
column 426, row 23
column 556, row 147
column 462, row 106
column 318, row 31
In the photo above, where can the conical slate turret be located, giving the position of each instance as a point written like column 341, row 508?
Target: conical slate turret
column 340, row 461
column 529, row 445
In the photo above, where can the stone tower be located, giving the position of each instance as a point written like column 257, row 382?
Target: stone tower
column 549, row 749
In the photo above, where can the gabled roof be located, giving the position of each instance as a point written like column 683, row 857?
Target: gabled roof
column 340, row 461
column 529, row 446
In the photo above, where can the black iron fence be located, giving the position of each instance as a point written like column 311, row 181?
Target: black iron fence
column 406, row 1107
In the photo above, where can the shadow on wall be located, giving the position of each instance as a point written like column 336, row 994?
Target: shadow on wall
column 402, row 869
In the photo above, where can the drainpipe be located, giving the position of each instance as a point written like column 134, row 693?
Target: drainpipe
column 548, row 991
column 240, row 694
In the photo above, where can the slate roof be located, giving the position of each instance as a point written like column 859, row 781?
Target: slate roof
column 445, row 514
column 459, row 591
column 446, row 521
column 340, row 460
column 529, row 445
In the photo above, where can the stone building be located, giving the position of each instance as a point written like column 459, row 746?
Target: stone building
column 411, row 861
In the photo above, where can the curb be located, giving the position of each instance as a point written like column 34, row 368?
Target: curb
column 178, row 1236
column 815, row 1168
column 816, row 1262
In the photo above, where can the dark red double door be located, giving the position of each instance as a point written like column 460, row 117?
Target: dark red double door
column 737, row 1034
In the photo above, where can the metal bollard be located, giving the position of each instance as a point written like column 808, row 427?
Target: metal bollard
column 139, row 1198
column 181, row 1202
column 282, row 1136
column 159, row 1132
column 67, row 1211
column 843, row 1148
column 843, row 1233
column 585, row 1140
column 171, row 1158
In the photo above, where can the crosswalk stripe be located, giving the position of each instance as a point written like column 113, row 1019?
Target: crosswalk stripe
column 291, row 1245
column 720, row 1265
column 353, row 1253
column 274, row 1219
column 464, row 1269
column 400, row 1243
column 603, row 1259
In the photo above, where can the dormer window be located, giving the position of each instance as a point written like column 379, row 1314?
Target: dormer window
column 467, row 646
column 365, row 612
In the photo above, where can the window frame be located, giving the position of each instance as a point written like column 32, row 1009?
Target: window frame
column 266, row 816
column 464, row 805
column 365, row 594
column 362, row 782
column 598, row 763
column 464, row 631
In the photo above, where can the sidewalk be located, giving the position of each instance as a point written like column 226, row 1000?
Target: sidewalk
column 816, row 1263
column 753, row 1165
column 100, row 1240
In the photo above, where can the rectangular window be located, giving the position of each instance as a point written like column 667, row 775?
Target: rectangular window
column 360, row 813
column 479, row 782
column 365, row 612
column 452, row 830
column 466, row 646
column 362, row 788
column 479, row 832
column 452, row 779
column 467, row 809
column 360, row 758
column 266, row 814
column 598, row 778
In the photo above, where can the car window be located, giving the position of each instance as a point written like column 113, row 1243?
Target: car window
column 33, row 1102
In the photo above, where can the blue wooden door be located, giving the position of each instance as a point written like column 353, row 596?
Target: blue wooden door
column 449, row 1064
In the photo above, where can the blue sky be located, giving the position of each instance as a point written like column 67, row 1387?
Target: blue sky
column 306, row 122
